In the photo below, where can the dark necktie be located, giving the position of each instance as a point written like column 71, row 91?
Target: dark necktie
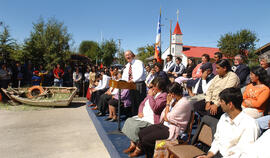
column 130, row 77
column 177, row 68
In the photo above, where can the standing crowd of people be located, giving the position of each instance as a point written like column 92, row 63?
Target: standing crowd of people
column 27, row 75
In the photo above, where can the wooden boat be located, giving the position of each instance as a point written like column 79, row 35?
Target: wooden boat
column 51, row 96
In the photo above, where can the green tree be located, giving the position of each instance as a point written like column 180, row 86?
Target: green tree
column 108, row 50
column 121, row 58
column 145, row 52
column 90, row 49
column 49, row 43
column 241, row 42
column 7, row 45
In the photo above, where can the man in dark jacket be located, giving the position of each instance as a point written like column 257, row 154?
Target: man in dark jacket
column 241, row 70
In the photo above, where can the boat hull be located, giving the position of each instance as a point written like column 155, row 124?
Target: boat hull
column 44, row 102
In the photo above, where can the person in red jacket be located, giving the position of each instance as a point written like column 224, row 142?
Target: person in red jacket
column 58, row 76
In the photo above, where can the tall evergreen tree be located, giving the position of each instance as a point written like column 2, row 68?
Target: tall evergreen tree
column 48, row 44
column 7, row 45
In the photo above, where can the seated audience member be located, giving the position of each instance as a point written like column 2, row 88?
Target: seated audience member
column 77, row 78
column 235, row 129
column 92, row 77
column 256, row 93
column 36, row 79
column 241, row 70
column 169, row 64
column 179, row 68
column 217, row 57
column 104, row 98
column 106, row 71
column 147, row 69
column 114, row 73
column 86, row 80
column 154, row 61
column 160, row 73
column 265, row 62
column 173, row 121
column 197, row 72
column 188, row 71
column 198, row 92
column 150, row 77
column 113, row 104
column 101, row 88
column 224, row 79
column 148, row 114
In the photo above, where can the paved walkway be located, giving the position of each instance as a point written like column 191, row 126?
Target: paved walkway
column 52, row 133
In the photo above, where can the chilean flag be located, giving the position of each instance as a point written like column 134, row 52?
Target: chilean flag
column 157, row 44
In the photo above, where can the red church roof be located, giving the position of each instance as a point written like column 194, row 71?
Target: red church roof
column 177, row 30
column 197, row 52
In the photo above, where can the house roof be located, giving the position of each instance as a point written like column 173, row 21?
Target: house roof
column 263, row 49
column 197, row 52
column 177, row 30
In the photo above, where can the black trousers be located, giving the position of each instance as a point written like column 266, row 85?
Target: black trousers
column 4, row 84
column 96, row 95
column 86, row 85
column 149, row 135
column 137, row 96
column 103, row 103
column 199, row 107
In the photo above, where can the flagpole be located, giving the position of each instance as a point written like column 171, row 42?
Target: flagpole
column 158, row 40
column 160, row 32
column 170, row 37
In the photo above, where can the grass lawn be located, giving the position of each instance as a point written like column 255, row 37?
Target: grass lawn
column 21, row 107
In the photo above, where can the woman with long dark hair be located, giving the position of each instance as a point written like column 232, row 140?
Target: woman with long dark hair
column 188, row 71
column 256, row 93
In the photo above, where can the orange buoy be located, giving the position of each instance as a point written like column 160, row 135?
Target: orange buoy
column 34, row 91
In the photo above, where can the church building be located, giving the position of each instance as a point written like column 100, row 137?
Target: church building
column 184, row 51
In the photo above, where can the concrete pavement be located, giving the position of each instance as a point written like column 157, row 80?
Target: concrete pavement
column 50, row 133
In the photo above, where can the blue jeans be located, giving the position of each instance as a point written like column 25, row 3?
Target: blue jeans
column 263, row 122
column 58, row 82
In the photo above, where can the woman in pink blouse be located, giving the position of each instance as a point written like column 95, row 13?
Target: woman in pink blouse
column 173, row 121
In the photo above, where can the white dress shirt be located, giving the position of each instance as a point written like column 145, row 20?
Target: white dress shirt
column 205, row 86
column 260, row 149
column 148, row 114
column 77, row 77
column 138, row 71
column 233, row 136
column 104, row 83
column 86, row 77
column 169, row 65
column 181, row 69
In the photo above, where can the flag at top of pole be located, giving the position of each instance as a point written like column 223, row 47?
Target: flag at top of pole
column 158, row 41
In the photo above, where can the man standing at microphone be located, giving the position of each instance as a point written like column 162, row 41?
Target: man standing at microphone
column 135, row 72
